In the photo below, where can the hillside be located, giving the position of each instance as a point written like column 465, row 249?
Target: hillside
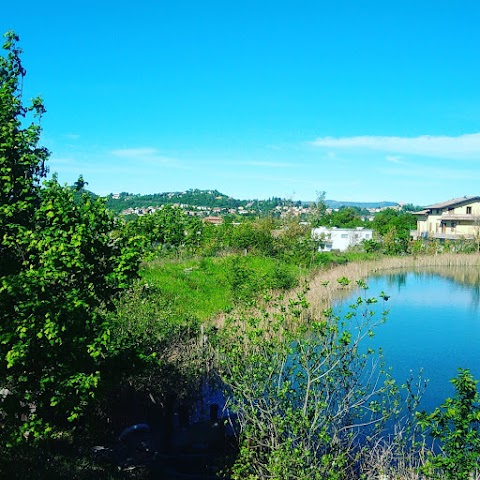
column 215, row 199
column 194, row 197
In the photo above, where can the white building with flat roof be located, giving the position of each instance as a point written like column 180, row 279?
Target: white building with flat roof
column 340, row 238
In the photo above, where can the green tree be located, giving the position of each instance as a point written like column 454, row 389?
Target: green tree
column 345, row 217
column 393, row 227
column 456, row 424
column 294, row 242
column 22, row 160
column 319, row 209
column 169, row 227
column 388, row 218
column 53, row 338
column 65, row 263
column 253, row 236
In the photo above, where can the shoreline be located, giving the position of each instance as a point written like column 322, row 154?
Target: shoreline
column 324, row 286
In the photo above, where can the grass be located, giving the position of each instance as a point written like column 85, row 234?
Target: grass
column 190, row 287
column 202, row 288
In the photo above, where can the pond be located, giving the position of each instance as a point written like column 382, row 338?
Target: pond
column 433, row 325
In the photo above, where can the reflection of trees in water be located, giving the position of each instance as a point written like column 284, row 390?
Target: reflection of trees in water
column 393, row 280
column 475, row 296
column 465, row 278
column 398, row 280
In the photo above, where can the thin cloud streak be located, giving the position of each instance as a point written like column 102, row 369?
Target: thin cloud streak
column 146, row 155
column 436, row 174
column 460, row 147
column 395, row 159
column 271, row 164
column 134, row 152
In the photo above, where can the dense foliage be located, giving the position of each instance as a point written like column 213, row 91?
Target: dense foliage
column 22, row 159
column 61, row 265
column 347, row 217
column 456, row 425
column 169, row 228
column 309, row 394
column 192, row 198
column 393, row 226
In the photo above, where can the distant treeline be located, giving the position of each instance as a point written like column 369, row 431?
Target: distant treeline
column 194, row 197
column 339, row 204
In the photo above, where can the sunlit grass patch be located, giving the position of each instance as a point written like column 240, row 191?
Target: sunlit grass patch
column 205, row 287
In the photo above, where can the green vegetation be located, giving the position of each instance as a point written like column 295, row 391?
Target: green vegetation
column 192, row 198
column 209, row 198
column 393, row 227
column 203, row 288
column 312, row 398
column 215, row 199
column 101, row 319
column 345, row 217
column 169, row 228
column 456, row 425
column 61, row 266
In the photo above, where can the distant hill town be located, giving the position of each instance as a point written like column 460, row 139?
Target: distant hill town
column 212, row 202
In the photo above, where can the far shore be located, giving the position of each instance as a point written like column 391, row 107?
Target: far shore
column 324, row 285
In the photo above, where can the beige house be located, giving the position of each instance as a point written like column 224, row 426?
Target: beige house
column 451, row 220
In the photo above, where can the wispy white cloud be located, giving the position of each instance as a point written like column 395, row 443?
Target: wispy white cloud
column 435, row 175
column 134, row 152
column 274, row 147
column 462, row 147
column 145, row 155
column 271, row 164
column 395, row 159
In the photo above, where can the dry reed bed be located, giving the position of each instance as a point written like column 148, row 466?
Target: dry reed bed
column 324, row 285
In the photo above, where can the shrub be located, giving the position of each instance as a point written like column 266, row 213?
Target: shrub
column 456, row 425
column 299, row 387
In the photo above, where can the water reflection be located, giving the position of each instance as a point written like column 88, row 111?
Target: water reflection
column 398, row 280
column 433, row 325
column 467, row 279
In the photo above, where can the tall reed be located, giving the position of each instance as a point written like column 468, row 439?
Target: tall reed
column 324, row 285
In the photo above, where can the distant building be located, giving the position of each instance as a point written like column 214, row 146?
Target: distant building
column 213, row 220
column 340, row 238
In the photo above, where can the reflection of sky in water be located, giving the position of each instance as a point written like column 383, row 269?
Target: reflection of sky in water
column 433, row 323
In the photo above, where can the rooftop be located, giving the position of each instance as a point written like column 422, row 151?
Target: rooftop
column 453, row 202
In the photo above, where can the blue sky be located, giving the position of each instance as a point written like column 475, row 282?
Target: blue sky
column 365, row 100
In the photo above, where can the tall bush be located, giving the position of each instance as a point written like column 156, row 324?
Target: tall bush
column 306, row 393
column 456, row 425
column 62, row 263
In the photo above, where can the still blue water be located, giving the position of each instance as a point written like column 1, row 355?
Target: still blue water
column 433, row 325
